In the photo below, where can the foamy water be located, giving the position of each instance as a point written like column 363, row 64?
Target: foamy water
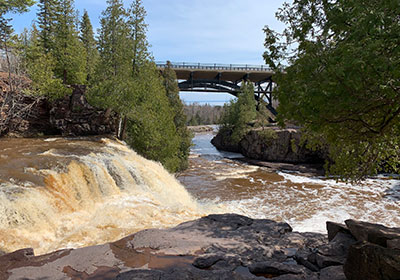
column 305, row 202
column 72, row 193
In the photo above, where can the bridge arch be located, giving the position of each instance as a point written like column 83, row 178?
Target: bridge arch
column 227, row 78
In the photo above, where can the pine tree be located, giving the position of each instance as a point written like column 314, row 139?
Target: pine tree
column 138, row 29
column 180, row 118
column 89, row 43
column 68, row 50
column 239, row 113
column 47, row 22
column 39, row 66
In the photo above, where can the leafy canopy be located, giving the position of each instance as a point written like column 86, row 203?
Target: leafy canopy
column 342, row 82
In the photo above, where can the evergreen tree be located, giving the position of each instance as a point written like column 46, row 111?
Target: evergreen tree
column 239, row 113
column 112, row 78
column 138, row 29
column 47, row 22
column 89, row 43
column 39, row 66
column 179, row 116
column 68, row 50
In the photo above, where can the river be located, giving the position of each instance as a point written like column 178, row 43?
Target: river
column 305, row 202
column 73, row 192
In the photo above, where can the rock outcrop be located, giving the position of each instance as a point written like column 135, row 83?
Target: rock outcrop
column 28, row 116
column 73, row 116
column 214, row 247
column 272, row 144
column 220, row 247
column 376, row 255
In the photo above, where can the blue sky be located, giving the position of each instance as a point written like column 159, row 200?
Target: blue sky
column 207, row 31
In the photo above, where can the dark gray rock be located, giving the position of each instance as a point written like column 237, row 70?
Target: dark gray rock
column 372, row 262
column 207, row 261
column 222, row 141
column 332, row 273
column 373, row 233
column 279, row 145
column 334, row 228
column 275, row 269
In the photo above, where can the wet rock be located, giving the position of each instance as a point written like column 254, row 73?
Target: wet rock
column 332, row 273
column 372, row 262
column 275, row 269
column 204, row 262
column 334, row 228
column 222, row 141
column 374, row 233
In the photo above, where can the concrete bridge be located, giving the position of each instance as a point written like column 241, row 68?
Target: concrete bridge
column 201, row 77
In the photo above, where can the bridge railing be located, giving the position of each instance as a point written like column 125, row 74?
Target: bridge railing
column 214, row 66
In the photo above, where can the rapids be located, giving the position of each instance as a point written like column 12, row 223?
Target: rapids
column 73, row 192
column 306, row 202
column 57, row 193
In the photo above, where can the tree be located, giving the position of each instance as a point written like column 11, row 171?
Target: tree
column 47, row 22
column 39, row 66
column 138, row 29
column 342, row 84
column 179, row 116
column 239, row 113
column 10, row 6
column 89, row 44
column 68, row 50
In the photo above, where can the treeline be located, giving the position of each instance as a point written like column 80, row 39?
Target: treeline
column 60, row 50
column 203, row 114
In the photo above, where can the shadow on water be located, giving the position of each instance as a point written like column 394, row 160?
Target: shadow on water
column 393, row 193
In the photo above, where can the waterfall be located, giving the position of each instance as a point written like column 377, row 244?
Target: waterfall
column 59, row 193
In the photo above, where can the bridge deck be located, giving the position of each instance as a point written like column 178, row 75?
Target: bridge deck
column 224, row 72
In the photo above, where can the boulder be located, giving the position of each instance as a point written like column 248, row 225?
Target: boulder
column 372, row 262
column 334, row 228
column 332, row 273
column 373, row 233
column 222, row 142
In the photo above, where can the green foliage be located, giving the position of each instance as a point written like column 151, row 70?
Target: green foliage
column 343, row 80
column 239, row 113
column 39, row 67
column 68, row 50
column 179, row 117
column 47, row 22
column 127, row 81
column 89, row 44
column 267, row 135
column 15, row 6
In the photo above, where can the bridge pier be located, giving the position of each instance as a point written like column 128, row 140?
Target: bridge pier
column 224, row 78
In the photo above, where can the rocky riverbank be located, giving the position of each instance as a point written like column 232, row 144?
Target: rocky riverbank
column 271, row 144
column 224, row 247
column 30, row 116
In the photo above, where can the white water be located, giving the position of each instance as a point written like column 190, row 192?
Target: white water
column 82, row 192
column 305, row 202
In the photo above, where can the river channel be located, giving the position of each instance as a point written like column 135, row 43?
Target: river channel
column 305, row 202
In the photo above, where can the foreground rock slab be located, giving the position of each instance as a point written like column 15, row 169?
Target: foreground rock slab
column 225, row 246
column 214, row 247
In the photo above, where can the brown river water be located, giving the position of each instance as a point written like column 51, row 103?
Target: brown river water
column 57, row 193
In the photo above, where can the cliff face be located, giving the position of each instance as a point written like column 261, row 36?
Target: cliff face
column 28, row 116
column 271, row 144
column 223, row 247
